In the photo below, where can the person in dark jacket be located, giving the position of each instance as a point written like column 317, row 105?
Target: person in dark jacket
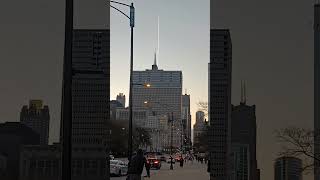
column 148, row 166
column 136, row 165
column 181, row 161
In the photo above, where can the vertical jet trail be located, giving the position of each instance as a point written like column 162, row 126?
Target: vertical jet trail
column 158, row 48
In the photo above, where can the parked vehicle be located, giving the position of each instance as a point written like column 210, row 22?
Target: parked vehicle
column 163, row 158
column 118, row 168
column 154, row 162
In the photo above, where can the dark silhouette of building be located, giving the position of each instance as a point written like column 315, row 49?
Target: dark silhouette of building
column 90, row 102
column 199, row 127
column 42, row 162
column 288, row 168
column 114, row 105
column 243, row 140
column 122, row 99
column 37, row 117
column 317, row 88
column 220, row 68
column 13, row 135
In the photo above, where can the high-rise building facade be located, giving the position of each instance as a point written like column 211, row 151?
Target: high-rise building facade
column 186, row 120
column 317, row 89
column 163, row 96
column 122, row 99
column 220, row 68
column 13, row 135
column 37, row 117
column 199, row 128
column 90, row 102
column 243, row 140
column 288, row 168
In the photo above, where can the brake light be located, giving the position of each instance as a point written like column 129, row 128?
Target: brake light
column 156, row 162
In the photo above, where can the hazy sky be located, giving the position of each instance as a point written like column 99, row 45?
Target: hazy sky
column 272, row 50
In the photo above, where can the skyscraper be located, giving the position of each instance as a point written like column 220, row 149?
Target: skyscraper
column 164, row 95
column 199, row 128
column 37, row 117
column 186, row 120
column 243, row 140
column 90, row 102
column 220, row 68
column 317, row 89
column 288, row 168
column 122, row 99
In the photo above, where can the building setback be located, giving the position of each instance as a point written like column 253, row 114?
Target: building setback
column 288, row 168
column 37, row 117
column 317, row 89
column 220, row 68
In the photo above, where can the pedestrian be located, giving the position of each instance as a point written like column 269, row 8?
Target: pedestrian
column 181, row 161
column 135, row 166
column 148, row 166
column 208, row 169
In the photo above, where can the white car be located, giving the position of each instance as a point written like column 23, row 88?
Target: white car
column 118, row 168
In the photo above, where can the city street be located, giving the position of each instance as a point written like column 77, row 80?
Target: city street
column 190, row 171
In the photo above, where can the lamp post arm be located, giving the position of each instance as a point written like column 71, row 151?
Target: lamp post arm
column 120, row 11
column 120, row 3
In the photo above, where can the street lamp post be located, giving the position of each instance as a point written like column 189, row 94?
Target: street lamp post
column 171, row 163
column 132, row 20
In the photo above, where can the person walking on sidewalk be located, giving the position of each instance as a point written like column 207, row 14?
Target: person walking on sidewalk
column 136, row 165
column 181, row 161
column 148, row 166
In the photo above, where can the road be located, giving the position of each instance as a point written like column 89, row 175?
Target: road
column 190, row 171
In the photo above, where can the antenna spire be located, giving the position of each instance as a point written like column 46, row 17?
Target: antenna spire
column 243, row 92
column 155, row 66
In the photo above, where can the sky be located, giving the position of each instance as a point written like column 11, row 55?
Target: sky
column 272, row 51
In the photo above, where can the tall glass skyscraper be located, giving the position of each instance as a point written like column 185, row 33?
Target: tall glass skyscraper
column 220, row 68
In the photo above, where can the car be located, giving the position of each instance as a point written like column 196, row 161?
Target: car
column 154, row 162
column 163, row 158
column 118, row 168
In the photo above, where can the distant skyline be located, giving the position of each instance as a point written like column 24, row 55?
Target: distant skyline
column 272, row 51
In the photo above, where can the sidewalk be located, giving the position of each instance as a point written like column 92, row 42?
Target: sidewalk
column 195, row 171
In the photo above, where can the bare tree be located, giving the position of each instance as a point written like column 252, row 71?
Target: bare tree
column 298, row 142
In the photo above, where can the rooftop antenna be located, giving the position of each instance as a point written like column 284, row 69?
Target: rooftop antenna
column 241, row 98
column 244, row 92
